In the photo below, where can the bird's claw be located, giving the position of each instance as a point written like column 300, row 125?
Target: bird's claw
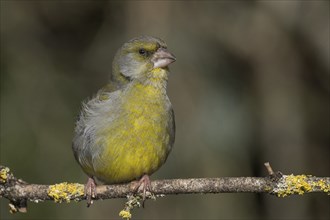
column 90, row 191
column 145, row 183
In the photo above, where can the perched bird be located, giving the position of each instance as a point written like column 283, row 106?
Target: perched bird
column 126, row 131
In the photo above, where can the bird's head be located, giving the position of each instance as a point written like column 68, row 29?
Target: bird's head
column 141, row 57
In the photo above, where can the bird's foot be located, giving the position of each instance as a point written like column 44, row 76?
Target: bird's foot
column 90, row 191
column 145, row 184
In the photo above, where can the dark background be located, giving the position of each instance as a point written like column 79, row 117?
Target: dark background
column 251, row 84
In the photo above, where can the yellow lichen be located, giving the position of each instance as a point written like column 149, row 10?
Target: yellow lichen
column 64, row 192
column 292, row 184
column 4, row 174
column 133, row 201
column 268, row 188
column 125, row 214
column 322, row 184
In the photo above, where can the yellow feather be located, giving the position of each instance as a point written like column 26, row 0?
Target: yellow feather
column 138, row 143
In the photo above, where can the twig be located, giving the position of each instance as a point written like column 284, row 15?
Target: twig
column 269, row 169
column 19, row 192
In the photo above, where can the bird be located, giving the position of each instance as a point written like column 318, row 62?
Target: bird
column 126, row 131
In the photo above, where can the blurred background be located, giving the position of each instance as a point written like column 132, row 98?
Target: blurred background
column 251, row 84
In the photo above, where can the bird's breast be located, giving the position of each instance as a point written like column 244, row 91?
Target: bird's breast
column 136, row 142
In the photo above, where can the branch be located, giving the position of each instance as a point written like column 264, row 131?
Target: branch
column 18, row 192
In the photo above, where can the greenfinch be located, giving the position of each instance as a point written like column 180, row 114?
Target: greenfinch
column 127, row 130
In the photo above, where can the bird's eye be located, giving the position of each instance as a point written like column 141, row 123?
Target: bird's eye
column 143, row 52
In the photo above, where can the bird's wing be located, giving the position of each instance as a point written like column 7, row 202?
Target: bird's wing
column 91, row 119
column 171, row 127
column 103, row 94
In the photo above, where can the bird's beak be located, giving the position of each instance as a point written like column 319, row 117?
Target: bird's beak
column 162, row 58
